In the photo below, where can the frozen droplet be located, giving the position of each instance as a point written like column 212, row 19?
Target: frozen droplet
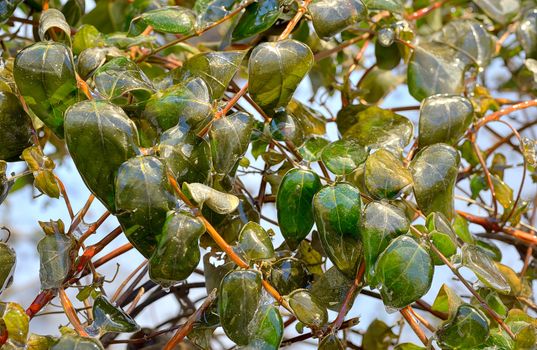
column 386, row 36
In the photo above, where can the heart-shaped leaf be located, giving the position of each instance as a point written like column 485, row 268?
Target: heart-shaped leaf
column 385, row 175
column 257, row 18
column 468, row 329
column 7, row 9
column 396, row 6
column 308, row 309
column 374, row 127
column 216, row 68
column 434, row 170
column 444, row 118
column 219, row 202
column 255, row 242
column 267, row 328
column 446, row 301
column 170, row 19
column 331, row 342
column 45, row 77
column 293, row 203
column 332, row 17
column 15, row 127
column 238, row 300
column 178, row 252
column 381, row 223
column 312, row 149
column 52, row 19
column 331, row 288
column 15, row 323
column 404, row 271
column 109, row 318
column 100, row 137
column 72, row 341
column 274, row 71
column 143, row 198
column 501, row 11
column 229, row 138
column 337, row 211
column 342, row 157
column 8, row 260
column 526, row 33
column 484, row 268
column 434, row 69
column 289, row 274
column 212, row 10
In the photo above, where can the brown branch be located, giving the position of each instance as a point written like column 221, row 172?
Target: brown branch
column 349, row 297
column 425, row 11
column 407, row 314
column 70, row 312
column 497, row 115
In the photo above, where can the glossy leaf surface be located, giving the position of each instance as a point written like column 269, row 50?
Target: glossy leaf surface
column 343, row 156
column 219, row 202
column 385, row 175
column 267, row 329
column 484, row 268
column 257, row 18
column 331, row 288
column 255, row 242
column 8, row 260
column 56, row 258
column 109, row 318
column 333, row 16
column 289, row 274
column 468, row 329
column 171, row 19
column 307, row 308
column 15, row 127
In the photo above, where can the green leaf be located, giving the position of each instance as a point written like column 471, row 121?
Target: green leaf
column 41, row 167
column 284, row 127
column 445, row 244
column 337, row 212
column 108, row 16
column 501, row 11
column 15, row 127
column 229, row 137
column 16, row 323
column 177, row 253
column 143, row 198
column 293, row 203
column 484, row 268
column 73, row 10
column 100, row 137
column 396, row 6
column 257, row 18
column 187, row 104
column 45, row 77
column 311, row 150
column 466, row 330
column 343, row 156
column 216, row 68
column 238, row 300
column 7, row 9
column 332, row 17
column 331, row 342
column 378, row 336
column 109, row 318
column 381, row 223
column 404, row 271
column 170, row 19
column 378, row 83
column 5, row 184
column 56, row 255
column 446, row 301
column 288, row 274
column 504, row 193
column 92, row 58
column 408, row 346
column 186, row 155
column 385, row 175
column 120, row 77
column 212, row 10
column 72, row 341
column 219, row 202
column 444, row 118
column 374, row 127
column 274, row 71
column 332, row 288
column 308, row 309
column 53, row 19
column 434, row 170
column 526, row 33
column 255, row 242
column 460, row 226
column 387, row 56
column 86, row 37
column 308, row 119
column 434, row 69
column 8, row 260
column 267, row 328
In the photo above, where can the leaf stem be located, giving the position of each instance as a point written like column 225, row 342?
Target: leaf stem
column 425, row 11
column 497, row 115
column 407, row 314
column 70, row 312
column 349, row 297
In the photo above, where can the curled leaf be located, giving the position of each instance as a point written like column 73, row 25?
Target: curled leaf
column 220, row 202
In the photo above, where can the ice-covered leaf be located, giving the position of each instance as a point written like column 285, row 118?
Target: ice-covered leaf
column 257, row 18
column 308, row 309
column 8, row 260
column 110, row 318
column 289, row 274
column 385, row 175
column 333, row 16
column 343, row 156
column 219, row 202
column 15, row 127
column 170, row 19
column 484, row 268
column 468, row 329
column 255, row 242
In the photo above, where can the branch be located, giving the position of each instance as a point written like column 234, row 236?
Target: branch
column 497, row 115
column 347, row 303
column 407, row 314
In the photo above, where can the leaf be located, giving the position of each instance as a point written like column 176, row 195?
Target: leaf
column 229, row 137
column 433, row 69
column 404, row 271
column 504, row 193
column 466, row 330
column 308, row 309
column 119, row 77
column 331, row 342
column 239, row 296
column 444, row 118
column 501, row 11
column 385, row 175
column 293, row 204
column 284, row 127
column 378, row 83
column 16, row 323
column 110, row 318
column 378, row 336
column 255, row 242
column 374, row 127
column 169, row 19
column 72, row 341
column 15, row 127
column 381, row 223
column 257, row 18
column 52, row 19
column 434, row 170
column 45, row 78
column 446, row 301
column 8, row 260
column 526, row 33
column 7, row 9
column 408, row 346
column 343, row 156
column 216, row 68
column 311, row 150
column 484, row 268
column 267, row 328
column 387, row 54
column 186, row 155
column 187, row 104
column 288, row 274
column 143, row 199
column 108, row 16
column 178, row 252
column 5, row 184
column 56, row 255
column 396, row 6
column 86, row 37
column 92, row 58
column 529, row 148
column 212, row 10
column 274, row 71
column 73, row 10
column 220, row 202
column 41, row 167
column 215, row 270
column 331, row 288
column 331, row 17
column 337, row 212
column 308, row 119
column 100, row 137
